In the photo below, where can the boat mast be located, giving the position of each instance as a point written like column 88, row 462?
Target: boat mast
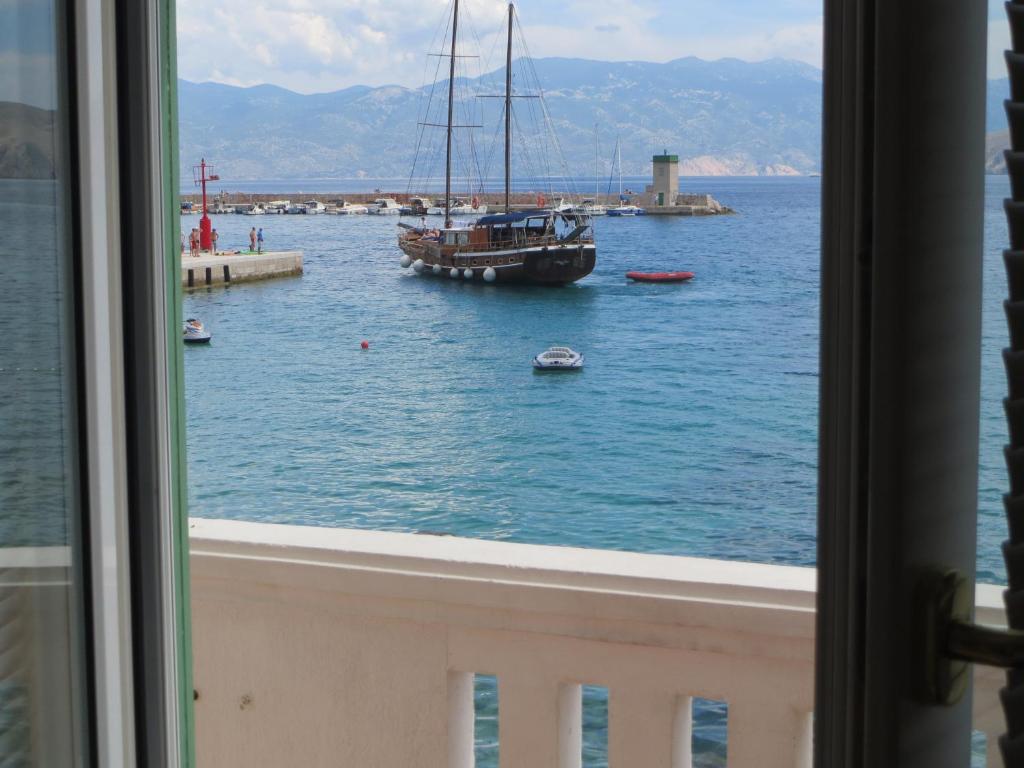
column 451, row 112
column 618, row 152
column 508, row 114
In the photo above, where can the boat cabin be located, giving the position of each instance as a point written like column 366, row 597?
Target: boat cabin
column 521, row 227
column 420, row 205
column 509, row 230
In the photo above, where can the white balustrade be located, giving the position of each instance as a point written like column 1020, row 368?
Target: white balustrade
column 317, row 646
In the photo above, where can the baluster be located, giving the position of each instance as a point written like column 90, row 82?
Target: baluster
column 461, row 720
column 767, row 734
column 993, row 756
column 648, row 728
column 539, row 723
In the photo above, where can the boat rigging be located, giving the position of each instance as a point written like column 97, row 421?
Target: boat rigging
column 536, row 245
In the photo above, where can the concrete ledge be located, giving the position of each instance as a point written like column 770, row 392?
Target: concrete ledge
column 225, row 268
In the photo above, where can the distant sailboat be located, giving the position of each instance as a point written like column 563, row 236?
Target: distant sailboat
column 541, row 246
column 623, row 208
column 590, row 205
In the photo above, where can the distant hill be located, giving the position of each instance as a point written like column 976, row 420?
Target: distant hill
column 721, row 117
column 26, row 142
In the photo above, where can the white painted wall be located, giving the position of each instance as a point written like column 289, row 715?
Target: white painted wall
column 330, row 647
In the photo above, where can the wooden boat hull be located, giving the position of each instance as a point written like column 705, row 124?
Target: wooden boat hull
column 541, row 265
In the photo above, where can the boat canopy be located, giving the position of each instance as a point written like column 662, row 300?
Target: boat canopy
column 511, row 218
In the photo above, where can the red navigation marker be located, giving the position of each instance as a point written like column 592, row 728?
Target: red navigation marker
column 200, row 178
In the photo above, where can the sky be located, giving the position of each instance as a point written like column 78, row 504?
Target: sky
column 324, row 45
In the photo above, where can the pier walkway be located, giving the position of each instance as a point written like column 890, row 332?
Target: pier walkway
column 223, row 268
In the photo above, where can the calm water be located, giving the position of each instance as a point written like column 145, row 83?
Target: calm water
column 691, row 431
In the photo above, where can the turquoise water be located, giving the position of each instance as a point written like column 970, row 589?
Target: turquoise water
column 691, row 431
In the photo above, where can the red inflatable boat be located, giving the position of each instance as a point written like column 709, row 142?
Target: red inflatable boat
column 660, row 277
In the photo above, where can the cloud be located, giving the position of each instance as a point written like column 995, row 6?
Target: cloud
column 310, row 46
column 322, row 45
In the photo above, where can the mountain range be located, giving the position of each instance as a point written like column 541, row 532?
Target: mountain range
column 725, row 117
column 26, row 142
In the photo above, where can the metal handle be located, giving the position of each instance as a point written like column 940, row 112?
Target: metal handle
column 951, row 641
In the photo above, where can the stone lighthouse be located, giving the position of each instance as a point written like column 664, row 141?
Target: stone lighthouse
column 665, row 189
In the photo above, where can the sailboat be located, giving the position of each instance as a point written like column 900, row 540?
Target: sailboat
column 624, row 208
column 538, row 246
column 590, row 205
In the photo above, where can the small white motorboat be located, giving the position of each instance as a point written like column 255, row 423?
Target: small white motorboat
column 459, row 207
column 195, row 332
column 558, row 359
column 348, row 209
column 385, row 206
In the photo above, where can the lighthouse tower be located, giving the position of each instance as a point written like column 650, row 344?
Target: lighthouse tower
column 665, row 189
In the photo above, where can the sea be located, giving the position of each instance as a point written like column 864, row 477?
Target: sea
column 691, row 431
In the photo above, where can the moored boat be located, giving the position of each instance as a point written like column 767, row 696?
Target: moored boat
column 385, row 206
column 543, row 246
column 590, row 207
column 660, row 277
column 350, row 209
column 193, row 332
column 539, row 246
column 558, row 359
column 625, row 210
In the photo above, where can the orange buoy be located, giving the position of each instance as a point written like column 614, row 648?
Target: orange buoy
column 365, row 344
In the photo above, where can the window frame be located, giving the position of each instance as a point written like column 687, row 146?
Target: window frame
column 903, row 147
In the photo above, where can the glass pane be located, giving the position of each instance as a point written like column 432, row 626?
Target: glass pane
column 386, row 390
column 40, row 592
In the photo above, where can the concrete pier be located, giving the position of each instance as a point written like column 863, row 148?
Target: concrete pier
column 224, row 268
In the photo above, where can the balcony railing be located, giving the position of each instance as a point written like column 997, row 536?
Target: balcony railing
column 317, row 646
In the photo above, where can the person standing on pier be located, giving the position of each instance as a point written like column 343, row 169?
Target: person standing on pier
column 213, row 242
column 252, row 239
column 259, row 240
